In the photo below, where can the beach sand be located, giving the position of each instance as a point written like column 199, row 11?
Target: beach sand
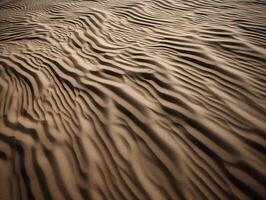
column 131, row 99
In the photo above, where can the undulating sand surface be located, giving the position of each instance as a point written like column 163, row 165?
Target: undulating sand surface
column 132, row 99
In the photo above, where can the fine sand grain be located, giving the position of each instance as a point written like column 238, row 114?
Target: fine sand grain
column 132, row 99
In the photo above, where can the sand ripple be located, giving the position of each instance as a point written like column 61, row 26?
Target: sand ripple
column 128, row 99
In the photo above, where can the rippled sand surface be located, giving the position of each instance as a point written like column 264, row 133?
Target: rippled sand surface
column 131, row 99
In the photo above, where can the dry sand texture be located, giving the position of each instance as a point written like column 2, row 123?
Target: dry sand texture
column 132, row 99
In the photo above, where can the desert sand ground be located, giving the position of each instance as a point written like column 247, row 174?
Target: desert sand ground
column 132, row 99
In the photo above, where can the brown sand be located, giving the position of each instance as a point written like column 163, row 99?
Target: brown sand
column 132, row 99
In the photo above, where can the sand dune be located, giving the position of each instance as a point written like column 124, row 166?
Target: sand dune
column 130, row 99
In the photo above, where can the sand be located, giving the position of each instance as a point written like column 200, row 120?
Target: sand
column 131, row 99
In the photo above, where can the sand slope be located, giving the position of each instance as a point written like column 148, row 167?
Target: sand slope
column 130, row 99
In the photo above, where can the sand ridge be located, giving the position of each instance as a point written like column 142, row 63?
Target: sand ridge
column 128, row 99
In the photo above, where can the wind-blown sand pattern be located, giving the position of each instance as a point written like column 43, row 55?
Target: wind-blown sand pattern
column 130, row 99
